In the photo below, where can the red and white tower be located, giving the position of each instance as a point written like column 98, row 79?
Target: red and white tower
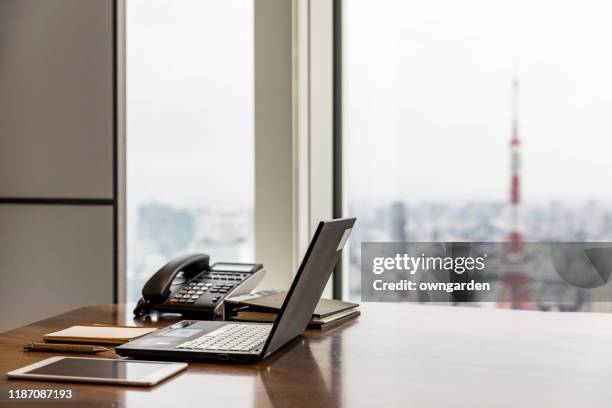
column 515, row 236
column 514, row 292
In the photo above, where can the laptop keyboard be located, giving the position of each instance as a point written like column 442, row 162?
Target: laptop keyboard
column 231, row 337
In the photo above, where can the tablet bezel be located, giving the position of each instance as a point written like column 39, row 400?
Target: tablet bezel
column 148, row 380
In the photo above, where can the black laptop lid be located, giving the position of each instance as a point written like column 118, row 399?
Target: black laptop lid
column 321, row 257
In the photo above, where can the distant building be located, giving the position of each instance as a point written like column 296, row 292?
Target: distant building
column 398, row 222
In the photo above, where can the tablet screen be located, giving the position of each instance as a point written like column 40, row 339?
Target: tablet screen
column 111, row 369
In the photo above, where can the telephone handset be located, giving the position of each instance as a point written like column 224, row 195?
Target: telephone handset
column 188, row 284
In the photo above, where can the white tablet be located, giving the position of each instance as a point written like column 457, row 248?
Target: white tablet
column 99, row 370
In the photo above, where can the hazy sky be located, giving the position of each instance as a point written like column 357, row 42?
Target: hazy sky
column 428, row 98
column 190, row 102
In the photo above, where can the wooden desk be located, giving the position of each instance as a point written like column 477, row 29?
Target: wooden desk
column 393, row 355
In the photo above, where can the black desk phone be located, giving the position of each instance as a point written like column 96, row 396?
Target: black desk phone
column 188, row 284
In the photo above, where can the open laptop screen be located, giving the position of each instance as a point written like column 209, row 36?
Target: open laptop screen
column 321, row 257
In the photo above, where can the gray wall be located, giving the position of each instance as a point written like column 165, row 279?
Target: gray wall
column 57, row 132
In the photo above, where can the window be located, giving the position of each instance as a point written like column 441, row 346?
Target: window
column 429, row 101
column 190, row 167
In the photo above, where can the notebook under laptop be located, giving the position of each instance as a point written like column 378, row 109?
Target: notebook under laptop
column 243, row 342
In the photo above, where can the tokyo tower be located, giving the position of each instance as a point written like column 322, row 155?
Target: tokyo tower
column 514, row 293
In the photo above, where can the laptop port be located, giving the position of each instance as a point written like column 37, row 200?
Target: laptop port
column 223, row 356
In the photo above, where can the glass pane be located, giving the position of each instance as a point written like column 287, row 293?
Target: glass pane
column 433, row 92
column 190, row 170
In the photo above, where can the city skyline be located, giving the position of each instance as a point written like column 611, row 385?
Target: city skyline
column 230, row 236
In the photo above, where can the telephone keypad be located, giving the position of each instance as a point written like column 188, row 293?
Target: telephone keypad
column 218, row 284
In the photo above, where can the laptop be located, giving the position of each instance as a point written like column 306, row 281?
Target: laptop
column 251, row 342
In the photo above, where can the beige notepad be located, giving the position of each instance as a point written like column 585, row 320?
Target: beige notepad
column 98, row 334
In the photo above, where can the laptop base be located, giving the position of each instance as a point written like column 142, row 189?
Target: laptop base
column 164, row 344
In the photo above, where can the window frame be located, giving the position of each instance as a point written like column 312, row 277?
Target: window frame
column 339, row 205
column 297, row 150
